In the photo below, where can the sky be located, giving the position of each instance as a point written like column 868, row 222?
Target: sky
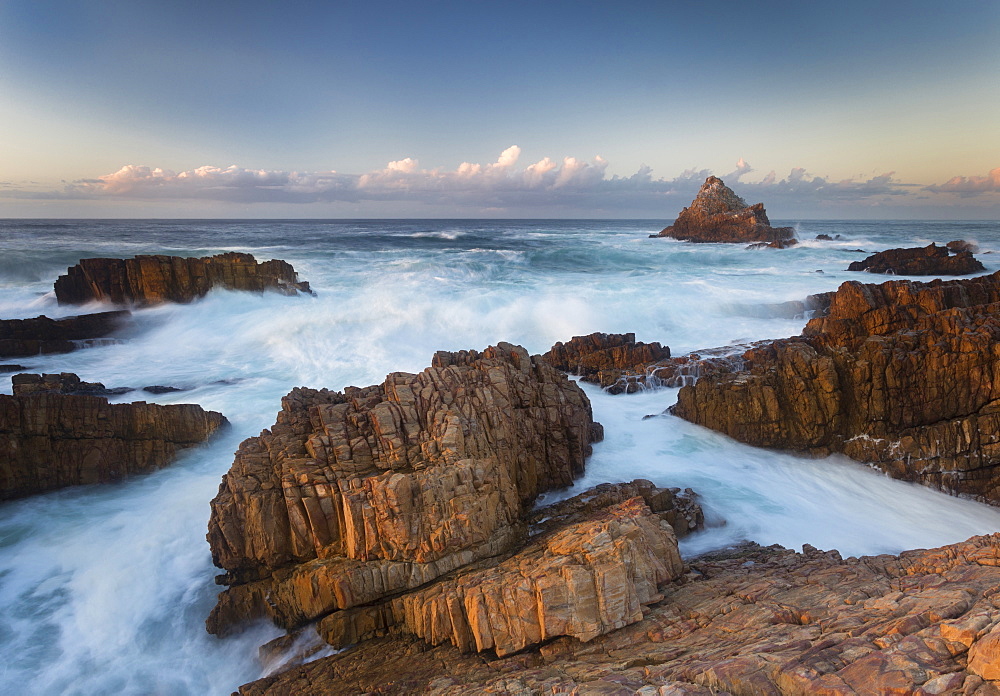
column 544, row 109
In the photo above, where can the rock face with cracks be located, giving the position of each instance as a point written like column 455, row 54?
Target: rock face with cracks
column 149, row 280
column 717, row 214
column 753, row 621
column 50, row 440
column 357, row 496
column 26, row 337
column 903, row 375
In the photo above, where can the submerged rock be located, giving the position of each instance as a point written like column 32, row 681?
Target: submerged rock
column 903, row 375
column 357, row 496
column 26, row 337
column 62, row 383
column 717, row 214
column 928, row 260
column 749, row 621
column 147, row 280
column 50, row 440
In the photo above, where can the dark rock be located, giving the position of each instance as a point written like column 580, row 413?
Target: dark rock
column 827, row 238
column 928, row 260
column 50, row 440
column 147, row 280
column 158, row 389
column 959, row 245
column 11, row 368
column 602, row 358
column 41, row 335
column 903, row 375
column 780, row 244
column 717, row 214
column 63, row 383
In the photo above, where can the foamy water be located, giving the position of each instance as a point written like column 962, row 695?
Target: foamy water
column 105, row 589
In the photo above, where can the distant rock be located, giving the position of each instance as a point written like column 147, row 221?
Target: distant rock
column 356, row 497
column 148, row 280
column 928, row 260
column 717, row 214
column 827, row 238
column 160, row 389
column 959, row 245
column 26, row 337
column 782, row 244
column 63, row 383
column 12, row 368
column 50, row 440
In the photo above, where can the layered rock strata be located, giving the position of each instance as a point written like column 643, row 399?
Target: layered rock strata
column 749, row 622
column 62, row 383
column 26, row 337
column 717, row 214
column 357, row 496
column 928, row 260
column 602, row 358
column 51, row 440
column 148, row 280
column 903, row 375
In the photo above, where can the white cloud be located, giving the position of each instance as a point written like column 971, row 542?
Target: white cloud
column 542, row 187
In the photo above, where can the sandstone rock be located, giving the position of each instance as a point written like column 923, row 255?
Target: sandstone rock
column 25, row 337
column 583, row 580
column 903, row 375
column 50, row 440
column 748, row 622
column 355, row 496
column 147, row 280
column 603, row 358
column 717, row 214
column 928, row 260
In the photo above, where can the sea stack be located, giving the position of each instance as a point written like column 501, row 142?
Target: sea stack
column 149, row 280
column 717, row 214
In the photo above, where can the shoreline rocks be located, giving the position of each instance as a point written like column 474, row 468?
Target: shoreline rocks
column 358, row 496
column 717, row 214
column 149, row 280
column 748, row 620
column 51, row 440
column 21, row 338
column 928, row 260
column 903, row 375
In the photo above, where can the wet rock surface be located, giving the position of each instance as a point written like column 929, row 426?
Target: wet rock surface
column 602, row 358
column 717, row 214
column 50, row 439
column 148, row 280
column 928, row 260
column 749, row 621
column 903, row 375
column 359, row 496
column 21, row 338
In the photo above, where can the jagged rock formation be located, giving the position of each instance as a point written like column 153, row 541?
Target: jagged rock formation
column 928, row 260
column 959, row 245
column 356, row 496
column 602, row 358
column 903, row 375
column 717, row 214
column 147, row 280
column 62, row 383
column 51, row 440
column 25, row 337
column 748, row 622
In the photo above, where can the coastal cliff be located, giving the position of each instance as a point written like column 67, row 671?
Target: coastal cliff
column 361, row 496
column 148, row 280
column 50, row 440
column 903, row 375
column 717, row 214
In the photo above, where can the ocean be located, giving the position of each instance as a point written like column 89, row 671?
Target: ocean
column 104, row 589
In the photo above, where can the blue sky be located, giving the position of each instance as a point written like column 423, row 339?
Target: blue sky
column 464, row 109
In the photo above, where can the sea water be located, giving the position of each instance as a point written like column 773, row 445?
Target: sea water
column 104, row 589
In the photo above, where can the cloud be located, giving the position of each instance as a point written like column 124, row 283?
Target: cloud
column 557, row 186
column 967, row 186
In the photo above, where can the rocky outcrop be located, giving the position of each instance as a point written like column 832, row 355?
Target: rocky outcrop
column 747, row 622
column 148, row 280
column 603, row 358
column 959, row 245
column 50, row 440
column 26, row 337
column 717, row 214
column 928, row 260
column 62, row 383
column 357, row 496
column 903, row 375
